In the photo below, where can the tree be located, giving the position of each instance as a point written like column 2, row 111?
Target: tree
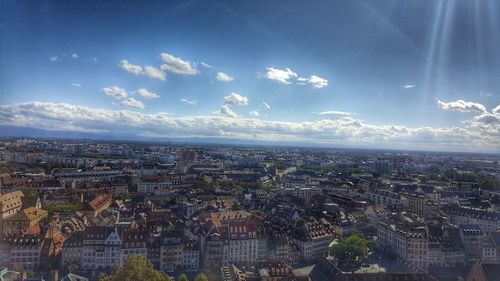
column 201, row 277
column 137, row 268
column 183, row 277
column 351, row 251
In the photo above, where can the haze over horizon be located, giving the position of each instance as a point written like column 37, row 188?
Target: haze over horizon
column 381, row 74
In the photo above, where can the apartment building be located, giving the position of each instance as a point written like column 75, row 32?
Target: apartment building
column 313, row 239
column 408, row 241
column 487, row 221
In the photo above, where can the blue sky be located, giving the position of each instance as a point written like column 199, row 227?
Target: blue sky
column 406, row 74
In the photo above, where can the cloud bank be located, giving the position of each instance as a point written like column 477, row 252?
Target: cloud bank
column 462, row 106
column 481, row 133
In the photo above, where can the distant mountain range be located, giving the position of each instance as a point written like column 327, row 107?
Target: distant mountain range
column 25, row 132
column 17, row 132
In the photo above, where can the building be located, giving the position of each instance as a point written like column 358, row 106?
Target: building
column 23, row 250
column 134, row 242
column 171, row 250
column 23, row 220
column 408, row 241
column 10, row 203
column 472, row 238
column 313, row 239
column 95, row 248
column 487, row 221
column 96, row 206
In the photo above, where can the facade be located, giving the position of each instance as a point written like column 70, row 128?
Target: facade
column 171, row 251
column 96, row 206
column 22, row 252
column 487, row 221
column 407, row 241
column 23, row 220
column 314, row 239
column 134, row 243
column 95, row 248
column 10, row 203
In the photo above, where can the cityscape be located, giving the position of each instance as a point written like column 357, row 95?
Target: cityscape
column 217, row 140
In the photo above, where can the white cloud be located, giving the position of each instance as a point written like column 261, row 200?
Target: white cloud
column 496, row 110
column 226, row 111
column 93, row 59
column 190, row 102
column 148, row 71
column 221, row 76
column 147, row 94
column 409, row 86
column 177, row 65
column 132, row 68
column 54, row 59
column 131, row 102
column 266, row 105
column 152, row 72
column 317, row 82
column 287, row 76
column 74, row 56
column 281, row 75
column 78, row 85
column 115, row 91
column 462, row 106
column 235, row 99
column 336, row 113
column 254, row 113
column 206, row 65
column 480, row 134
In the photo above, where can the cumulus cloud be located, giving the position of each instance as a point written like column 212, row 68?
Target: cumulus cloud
column 254, row 113
column 147, row 71
column 226, row 111
column 496, row 110
column 152, row 72
column 235, row 99
column 78, row 85
column 221, row 76
column 74, row 56
column 335, row 113
column 115, row 91
column 345, row 131
column 281, row 75
column 287, row 76
column 462, row 106
column 147, row 94
column 131, row 102
column 132, row 68
column 177, row 65
column 315, row 81
column 54, row 59
column 190, row 102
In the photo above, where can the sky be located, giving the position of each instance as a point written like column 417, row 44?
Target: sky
column 373, row 74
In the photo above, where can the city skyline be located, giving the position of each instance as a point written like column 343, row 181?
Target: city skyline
column 347, row 74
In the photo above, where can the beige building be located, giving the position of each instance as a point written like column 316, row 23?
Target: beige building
column 10, row 203
column 23, row 220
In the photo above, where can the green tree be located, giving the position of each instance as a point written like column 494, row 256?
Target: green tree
column 351, row 251
column 201, row 277
column 183, row 277
column 137, row 268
